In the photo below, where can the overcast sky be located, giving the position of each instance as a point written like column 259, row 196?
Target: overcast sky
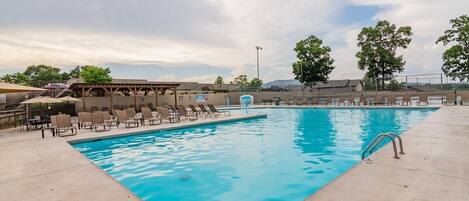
column 198, row 40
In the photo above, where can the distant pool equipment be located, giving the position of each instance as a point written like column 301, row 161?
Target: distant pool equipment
column 246, row 101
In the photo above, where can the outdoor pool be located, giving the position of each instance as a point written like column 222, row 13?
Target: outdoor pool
column 287, row 156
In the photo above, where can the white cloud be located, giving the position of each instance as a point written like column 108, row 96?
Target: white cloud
column 168, row 77
column 219, row 33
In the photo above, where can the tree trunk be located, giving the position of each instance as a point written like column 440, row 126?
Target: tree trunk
column 382, row 80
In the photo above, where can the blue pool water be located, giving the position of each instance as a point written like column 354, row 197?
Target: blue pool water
column 287, row 156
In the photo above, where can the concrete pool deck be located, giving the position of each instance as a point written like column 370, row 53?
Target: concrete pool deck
column 435, row 167
column 50, row 169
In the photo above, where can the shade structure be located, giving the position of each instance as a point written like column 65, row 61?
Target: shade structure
column 12, row 88
column 69, row 99
column 41, row 99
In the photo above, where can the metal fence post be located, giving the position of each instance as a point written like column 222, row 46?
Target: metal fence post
column 441, row 88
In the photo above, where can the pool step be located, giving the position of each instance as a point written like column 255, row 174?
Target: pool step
column 379, row 138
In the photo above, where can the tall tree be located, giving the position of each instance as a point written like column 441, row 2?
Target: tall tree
column 255, row 83
column 75, row 73
column 241, row 81
column 378, row 47
column 40, row 75
column 314, row 62
column 94, row 74
column 456, row 58
column 219, row 80
column 16, row 78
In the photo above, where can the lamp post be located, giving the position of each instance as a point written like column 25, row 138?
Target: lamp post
column 257, row 50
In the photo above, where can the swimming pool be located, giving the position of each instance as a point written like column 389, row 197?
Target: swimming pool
column 287, row 156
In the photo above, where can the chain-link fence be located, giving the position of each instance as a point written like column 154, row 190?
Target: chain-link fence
column 425, row 88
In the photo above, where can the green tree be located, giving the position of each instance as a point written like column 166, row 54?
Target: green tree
column 75, row 73
column 94, row 74
column 394, row 85
column 241, row 81
column 16, row 78
column 456, row 58
column 255, row 83
column 219, row 80
column 378, row 50
column 40, row 75
column 314, row 62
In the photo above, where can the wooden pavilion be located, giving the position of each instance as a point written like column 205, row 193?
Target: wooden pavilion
column 125, row 88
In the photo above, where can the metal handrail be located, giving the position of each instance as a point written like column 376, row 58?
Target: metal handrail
column 396, row 136
column 379, row 138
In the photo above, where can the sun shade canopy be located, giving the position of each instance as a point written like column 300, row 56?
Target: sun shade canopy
column 12, row 88
column 69, row 99
column 41, row 99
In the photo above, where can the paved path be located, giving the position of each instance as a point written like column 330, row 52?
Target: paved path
column 33, row 169
column 435, row 167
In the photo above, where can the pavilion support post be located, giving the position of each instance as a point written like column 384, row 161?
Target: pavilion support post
column 175, row 97
column 83, row 95
column 157, row 91
column 110, row 101
column 135, row 98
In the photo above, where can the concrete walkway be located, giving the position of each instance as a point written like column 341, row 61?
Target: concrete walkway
column 434, row 168
column 51, row 170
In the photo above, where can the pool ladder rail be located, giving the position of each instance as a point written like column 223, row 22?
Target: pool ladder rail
column 379, row 138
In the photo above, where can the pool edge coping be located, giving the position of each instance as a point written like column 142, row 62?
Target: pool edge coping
column 174, row 127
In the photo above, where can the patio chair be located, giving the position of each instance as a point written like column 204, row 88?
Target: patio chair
column 205, row 111
column 147, row 115
column 97, row 120
column 186, row 114
column 64, row 125
column 84, row 120
column 346, row 101
column 399, row 100
column 150, row 105
column 166, row 114
column 94, row 108
column 214, row 110
column 370, row 100
column 105, row 109
column 322, row 101
column 459, row 100
column 123, row 117
column 386, row 100
column 171, row 108
column 356, row 101
column 415, row 100
column 131, row 112
column 110, row 120
column 335, row 101
column 194, row 110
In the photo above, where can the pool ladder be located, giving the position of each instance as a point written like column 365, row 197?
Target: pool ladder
column 379, row 138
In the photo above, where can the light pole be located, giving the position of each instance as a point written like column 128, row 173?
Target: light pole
column 257, row 50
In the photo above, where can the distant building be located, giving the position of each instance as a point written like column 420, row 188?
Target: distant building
column 331, row 86
column 338, row 86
